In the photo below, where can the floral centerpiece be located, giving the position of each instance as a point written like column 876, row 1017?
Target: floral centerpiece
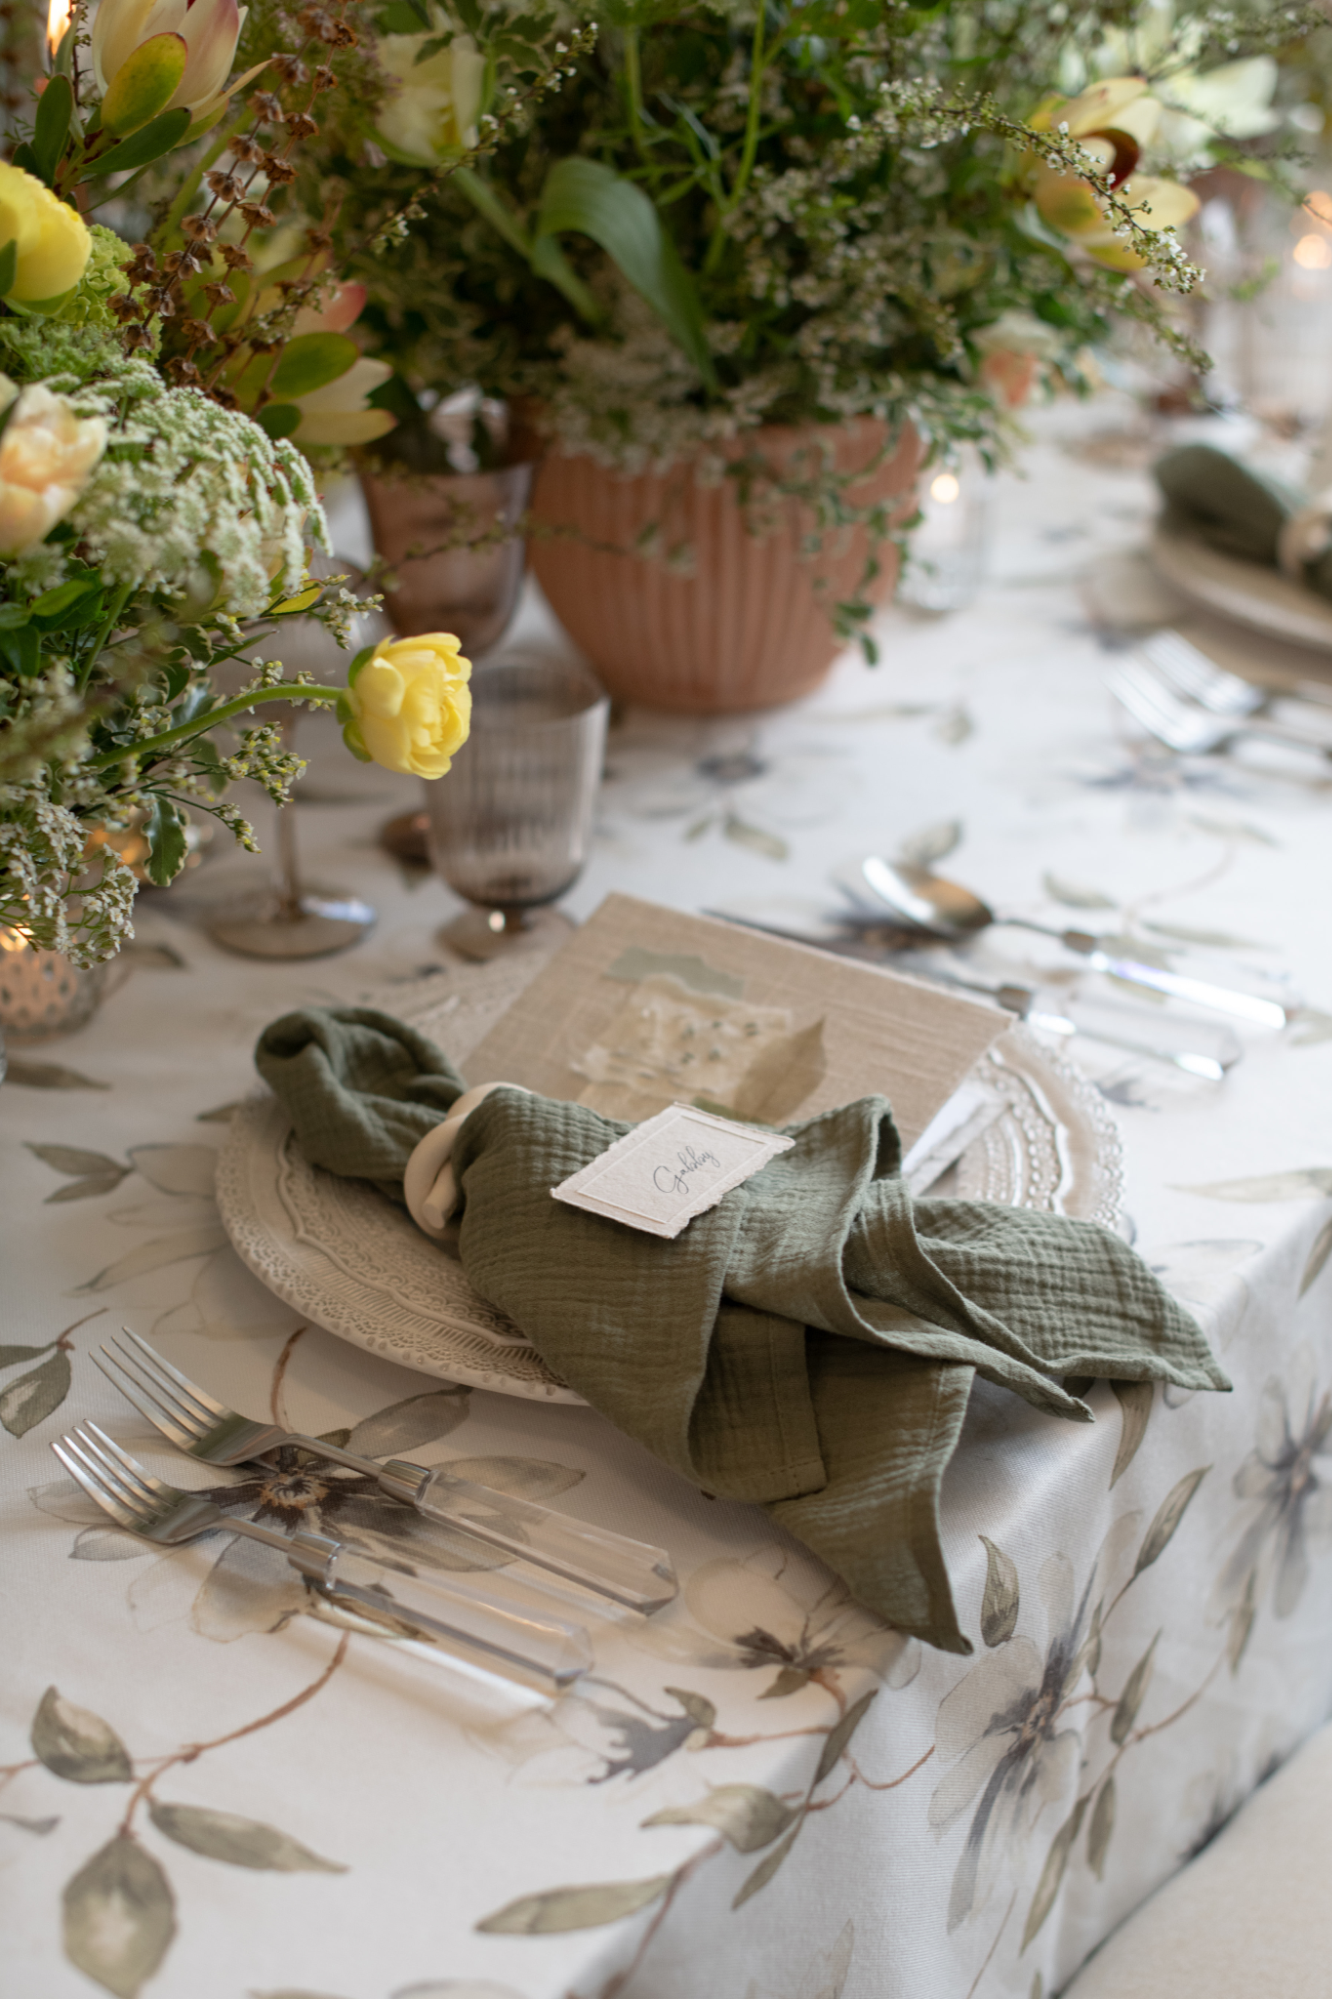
column 740, row 223
column 160, row 406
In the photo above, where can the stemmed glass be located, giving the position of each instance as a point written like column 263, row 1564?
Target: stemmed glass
column 511, row 823
column 289, row 919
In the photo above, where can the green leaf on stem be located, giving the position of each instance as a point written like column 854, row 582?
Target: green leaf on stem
column 278, row 420
column 164, row 830
column 1053, row 1873
column 240, row 1842
column 141, row 148
column 585, row 1908
column 51, row 128
column 311, row 361
column 746, row 1815
column 1131, row 1700
column 840, row 1735
column 21, row 648
column 583, row 195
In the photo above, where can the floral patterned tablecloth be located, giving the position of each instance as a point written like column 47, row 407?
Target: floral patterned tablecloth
column 761, row 1792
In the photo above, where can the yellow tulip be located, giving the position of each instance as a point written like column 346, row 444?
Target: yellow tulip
column 51, row 238
column 407, row 704
column 47, row 454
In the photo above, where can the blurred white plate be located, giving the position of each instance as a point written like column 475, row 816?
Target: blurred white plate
column 1264, row 599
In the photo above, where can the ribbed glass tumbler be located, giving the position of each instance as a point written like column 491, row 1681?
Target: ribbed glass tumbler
column 511, row 822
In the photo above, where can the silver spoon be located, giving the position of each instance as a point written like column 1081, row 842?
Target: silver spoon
column 946, row 910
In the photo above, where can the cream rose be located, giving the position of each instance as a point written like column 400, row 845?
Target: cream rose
column 407, row 704
column 46, row 456
column 51, row 238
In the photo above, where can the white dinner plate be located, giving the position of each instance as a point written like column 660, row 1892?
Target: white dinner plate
column 1263, row 599
column 345, row 1256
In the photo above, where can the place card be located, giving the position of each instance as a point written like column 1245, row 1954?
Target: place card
column 671, row 1168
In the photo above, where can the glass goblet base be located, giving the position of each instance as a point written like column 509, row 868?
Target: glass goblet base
column 313, row 925
column 495, row 933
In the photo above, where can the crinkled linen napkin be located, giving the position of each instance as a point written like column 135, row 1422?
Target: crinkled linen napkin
column 808, row 1344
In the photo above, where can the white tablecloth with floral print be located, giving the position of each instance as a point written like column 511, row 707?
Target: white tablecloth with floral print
column 760, row 1793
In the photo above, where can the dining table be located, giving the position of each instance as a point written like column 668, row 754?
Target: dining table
column 760, row 1791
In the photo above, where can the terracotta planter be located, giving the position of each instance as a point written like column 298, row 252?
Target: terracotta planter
column 752, row 625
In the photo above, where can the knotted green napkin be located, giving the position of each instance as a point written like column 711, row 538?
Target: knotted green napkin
column 808, row 1344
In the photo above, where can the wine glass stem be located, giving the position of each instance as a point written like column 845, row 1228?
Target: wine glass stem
column 286, row 881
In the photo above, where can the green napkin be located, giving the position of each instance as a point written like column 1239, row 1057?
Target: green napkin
column 1232, row 507
column 808, row 1344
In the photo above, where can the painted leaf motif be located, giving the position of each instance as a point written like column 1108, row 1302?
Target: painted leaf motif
column 1076, row 895
column 108, row 1544
column 767, row 1867
column 76, row 1744
column 85, row 1190
column 11, row 1356
column 73, row 1161
column 177, row 1169
column 1131, row 1700
column 789, row 1680
column 561, row 1909
column 38, row 1827
column 1221, row 940
column 1301, row 1183
column 1168, row 1517
column 1308, row 1025
column 1241, row 1625
column 755, row 838
column 220, row 1113
column 745, row 1814
column 700, row 1709
column 1234, row 829
column 841, row 1734
column 1100, row 1827
column 119, row 1917
column 954, row 726
column 1053, row 1873
column 402, row 1426
column 240, row 1842
column 442, row 1988
column 177, row 1247
column 1136, row 1400
column 49, row 1076
column 999, row 1601
column 33, row 1397
column 932, row 843
column 1318, row 1257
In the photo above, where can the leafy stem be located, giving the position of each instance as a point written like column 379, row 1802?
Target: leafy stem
column 184, row 732
column 191, row 1753
column 118, row 602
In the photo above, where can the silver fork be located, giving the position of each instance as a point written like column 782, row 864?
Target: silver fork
column 1191, row 673
column 628, row 1572
column 390, row 1591
column 1185, row 727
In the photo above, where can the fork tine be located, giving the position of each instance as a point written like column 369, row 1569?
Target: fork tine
column 110, row 1502
column 147, row 1405
column 175, row 1420
column 202, row 1401
column 119, row 1464
column 105, row 1469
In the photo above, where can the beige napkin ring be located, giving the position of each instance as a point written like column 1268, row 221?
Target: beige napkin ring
column 429, row 1185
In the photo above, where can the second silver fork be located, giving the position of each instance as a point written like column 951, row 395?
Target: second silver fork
column 631, row 1573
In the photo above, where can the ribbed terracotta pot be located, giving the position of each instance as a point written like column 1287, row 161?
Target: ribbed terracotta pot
column 752, row 625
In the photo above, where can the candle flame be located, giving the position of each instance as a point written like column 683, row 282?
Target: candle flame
column 58, row 15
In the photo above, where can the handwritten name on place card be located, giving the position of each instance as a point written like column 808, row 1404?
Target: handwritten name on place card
column 670, row 1168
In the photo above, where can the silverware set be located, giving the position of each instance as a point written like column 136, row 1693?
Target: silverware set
column 1192, row 705
column 407, row 1589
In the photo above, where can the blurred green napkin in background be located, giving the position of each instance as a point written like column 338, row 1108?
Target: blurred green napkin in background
column 1238, row 510
column 809, row 1344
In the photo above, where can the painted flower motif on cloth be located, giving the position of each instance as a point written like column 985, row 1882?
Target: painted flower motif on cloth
column 1285, row 1505
column 51, row 239
column 1004, row 1730
column 408, row 705
column 47, row 455
column 784, row 1612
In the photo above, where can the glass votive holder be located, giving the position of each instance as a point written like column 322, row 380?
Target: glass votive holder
column 41, row 993
column 511, row 822
column 947, row 551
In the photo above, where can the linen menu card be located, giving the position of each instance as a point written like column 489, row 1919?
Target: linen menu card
column 647, row 1006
